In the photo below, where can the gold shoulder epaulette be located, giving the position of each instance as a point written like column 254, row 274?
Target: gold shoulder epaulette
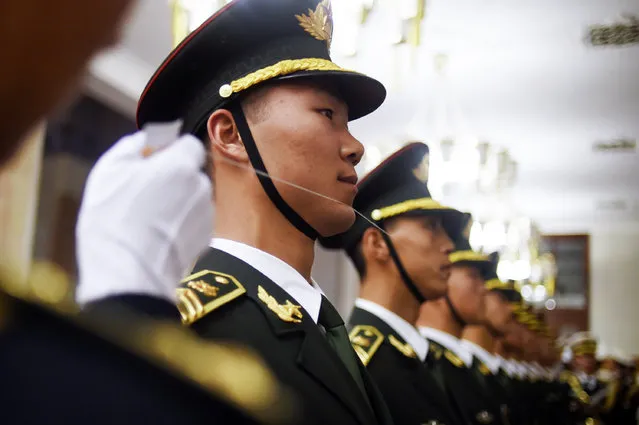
column 211, row 366
column 204, row 291
column 453, row 358
column 576, row 387
column 564, row 376
column 47, row 285
column 366, row 340
column 405, row 349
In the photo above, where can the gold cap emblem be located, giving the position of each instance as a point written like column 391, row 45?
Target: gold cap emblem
column 421, row 171
column 319, row 23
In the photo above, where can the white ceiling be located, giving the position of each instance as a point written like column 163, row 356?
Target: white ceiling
column 522, row 77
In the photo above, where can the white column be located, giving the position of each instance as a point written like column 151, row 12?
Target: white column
column 614, row 288
column 19, row 187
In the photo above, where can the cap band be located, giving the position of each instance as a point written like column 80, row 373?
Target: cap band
column 406, row 206
column 460, row 256
column 279, row 69
column 497, row 284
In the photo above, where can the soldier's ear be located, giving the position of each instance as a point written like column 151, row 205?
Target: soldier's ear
column 225, row 138
column 374, row 247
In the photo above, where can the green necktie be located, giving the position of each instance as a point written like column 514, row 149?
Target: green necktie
column 337, row 338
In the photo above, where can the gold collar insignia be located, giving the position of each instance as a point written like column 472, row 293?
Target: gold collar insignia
column 484, row 369
column 453, row 358
column 319, row 23
column 288, row 312
column 405, row 349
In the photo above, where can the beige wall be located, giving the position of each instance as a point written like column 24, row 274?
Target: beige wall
column 337, row 278
column 63, row 179
column 614, row 305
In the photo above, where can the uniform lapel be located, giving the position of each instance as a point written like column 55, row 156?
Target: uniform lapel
column 315, row 356
column 318, row 360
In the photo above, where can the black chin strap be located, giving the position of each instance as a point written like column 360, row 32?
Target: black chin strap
column 267, row 183
column 454, row 312
column 402, row 271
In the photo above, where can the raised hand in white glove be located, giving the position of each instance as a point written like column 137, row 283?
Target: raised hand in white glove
column 144, row 218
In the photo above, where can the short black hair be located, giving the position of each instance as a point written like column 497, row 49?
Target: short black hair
column 356, row 254
column 357, row 257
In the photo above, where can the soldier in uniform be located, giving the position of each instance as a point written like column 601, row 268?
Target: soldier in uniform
column 587, row 392
column 58, row 367
column 256, row 83
column 480, row 340
column 442, row 322
column 505, row 348
column 401, row 256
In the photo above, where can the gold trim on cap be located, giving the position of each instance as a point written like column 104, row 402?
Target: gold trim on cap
column 284, row 67
column 497, row 284
column 406, row 206
column 459, row 256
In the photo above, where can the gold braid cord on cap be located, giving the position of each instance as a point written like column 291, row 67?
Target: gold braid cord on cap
column 406, row 206
column 497, row 284
column 284, row 67
column 458, row 256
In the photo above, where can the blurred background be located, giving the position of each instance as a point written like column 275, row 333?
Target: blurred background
column 529, row 109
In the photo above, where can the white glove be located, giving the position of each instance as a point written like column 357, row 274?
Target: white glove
column 144, row 218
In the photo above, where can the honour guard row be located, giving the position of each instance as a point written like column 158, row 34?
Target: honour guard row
column 244, row 136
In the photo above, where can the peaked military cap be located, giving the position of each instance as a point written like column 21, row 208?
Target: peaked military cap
column 495, row 284
column 245, row 44
column 583, row 343
column 464, row 253
column 396, row 187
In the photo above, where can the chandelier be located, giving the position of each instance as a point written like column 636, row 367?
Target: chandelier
column 190, row 14
column 521, row 259
column 398, row 20
column 459, row 160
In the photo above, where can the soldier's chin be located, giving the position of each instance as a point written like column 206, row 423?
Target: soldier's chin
column 339, row 220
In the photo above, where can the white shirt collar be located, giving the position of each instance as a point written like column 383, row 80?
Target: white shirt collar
column 503, row 364
column 531, row 370
column 487, row 358
column 449, row 341
column 286, row 277
column 512, row 366
column 408, row 332
column 520, row 368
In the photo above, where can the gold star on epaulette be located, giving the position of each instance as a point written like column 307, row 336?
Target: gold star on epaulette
column 454, row 359
column 366, row 340
column 204, row 291
column 405, row 349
